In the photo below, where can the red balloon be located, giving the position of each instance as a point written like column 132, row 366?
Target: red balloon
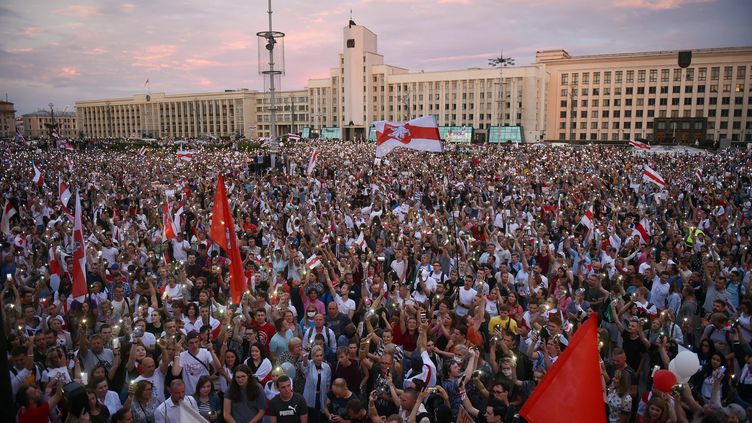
column 664, row 380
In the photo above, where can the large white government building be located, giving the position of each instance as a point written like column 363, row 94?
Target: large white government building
column 559, row 97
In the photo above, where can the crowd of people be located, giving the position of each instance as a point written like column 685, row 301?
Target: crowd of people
column 416, row 288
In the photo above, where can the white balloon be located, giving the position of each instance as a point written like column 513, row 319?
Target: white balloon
column 686, row 364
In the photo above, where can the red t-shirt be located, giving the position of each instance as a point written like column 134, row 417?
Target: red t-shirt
column 266, row 331
column 40, row 414
column 408, row 342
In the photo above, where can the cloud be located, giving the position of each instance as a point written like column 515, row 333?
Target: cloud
column 20, row 50
column 153, row 57
column 69, row 71
column 657, row 4
column 460, row 2
column 79, row 11
column 205, row 82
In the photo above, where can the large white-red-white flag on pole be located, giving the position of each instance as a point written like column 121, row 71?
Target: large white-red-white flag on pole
column 312, row 163
column 587, row 221
column 79, row 255
column 417, row 134
column 640, row 145
column 650, row 175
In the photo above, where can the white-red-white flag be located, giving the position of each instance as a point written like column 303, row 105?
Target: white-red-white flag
column 698, row 174
column 64, row 194
column 313, row 261
column 142, row 151
column 642, row 229
column 79, row 254
column 587, row 219
column 177, row 222
column 360, row 242
column 8, row 212
column 312, row 163
column 417, row 134
column 38, row 178
column 295, row 137
column 55, row 133
column 650, row 175
column 640, row 145
column 168, row 226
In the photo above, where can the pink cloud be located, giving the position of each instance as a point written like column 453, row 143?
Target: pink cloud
column 20, row 50
column 656, row 4
column 97, row 51
column 80, row 11
column 153, row 57
column 69, row 71
column 460, row 2
column 194, row 63
column 205, row 82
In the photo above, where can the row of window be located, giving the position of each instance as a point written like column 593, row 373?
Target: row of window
column 594, row 114
column 652, row 75
column 687, row 101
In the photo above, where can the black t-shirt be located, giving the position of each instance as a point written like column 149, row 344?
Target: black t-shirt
column 633, row 349
column 288, row 411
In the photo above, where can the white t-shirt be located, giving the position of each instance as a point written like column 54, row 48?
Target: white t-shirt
column 344, row 306
column 157, row 379
column 193, row 369
column 178, row 252
column 465, row 300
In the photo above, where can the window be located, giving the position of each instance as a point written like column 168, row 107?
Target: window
column 726, row 100
column 739, row 101
column 739, row 88
column 700, row 101
column 617, row 102
column 714, row 73
column 604, row 113
column 651, row 90
column 586, row 77
column 688, row 101
column 606, row 90
column 583, row 103
column 688, row 89
column 641, row 75
column 630, row 90
column 596, row 77
column 741, row 72
column 726, row 88
column 677, row 75
column 564, row 92
column 618, row 77
column 596, row 91
column 630, row 77
column 713, row 100
column 562, row 114
column 664, row 75
column 575, row 78
column 351, row 43
column 563, row 103
column 700, row 88
column 627, row 113
column 702, row 73
column 606, row 103
column 664, row 102
column 607, row 77
column 640, row 90
column 564, row 78
column 674, row 101
column 676, row 89
column 727, row 72
column 617, row 90
column 713, row 88
column 628, row 102
column 653, row 75
column 690, row 75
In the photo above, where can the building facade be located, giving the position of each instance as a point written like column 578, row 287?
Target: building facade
column 35, row 124
column 7, row 120
column 559, row 97
column 647, row 95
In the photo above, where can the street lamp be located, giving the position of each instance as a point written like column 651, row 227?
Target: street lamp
column 501, row 62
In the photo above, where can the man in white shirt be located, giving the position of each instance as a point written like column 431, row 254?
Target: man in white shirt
column 180, row 248
column 197, row 362
column 169, row 411
column 156, row 376
column 399, row 265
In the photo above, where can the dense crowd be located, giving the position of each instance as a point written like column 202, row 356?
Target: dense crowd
column 417, row 288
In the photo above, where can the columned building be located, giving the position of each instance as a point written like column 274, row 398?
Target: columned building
column 606, row 97
column 36, row 124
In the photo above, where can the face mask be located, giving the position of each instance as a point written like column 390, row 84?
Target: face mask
column 311, row 314
column 506, row 372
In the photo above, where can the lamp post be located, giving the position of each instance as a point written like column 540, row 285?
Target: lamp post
column 501, row 62
column 52, row 119
column 406, row 103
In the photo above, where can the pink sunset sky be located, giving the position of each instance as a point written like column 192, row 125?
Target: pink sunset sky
column 63, row 51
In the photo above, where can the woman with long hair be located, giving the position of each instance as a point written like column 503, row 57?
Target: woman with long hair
column 192, row 318
column 618, row 399
column 98, row 413
column 259, row 363
column 244, row 402
column 142, row 402
column 229, row 360
column 713, row 371
column 206, row 399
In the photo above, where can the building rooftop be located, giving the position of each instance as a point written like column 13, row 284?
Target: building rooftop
column 558, row 54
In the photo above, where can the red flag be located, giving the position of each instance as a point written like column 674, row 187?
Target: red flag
column 573, row 385
column 79, row 254
column 223, row 233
